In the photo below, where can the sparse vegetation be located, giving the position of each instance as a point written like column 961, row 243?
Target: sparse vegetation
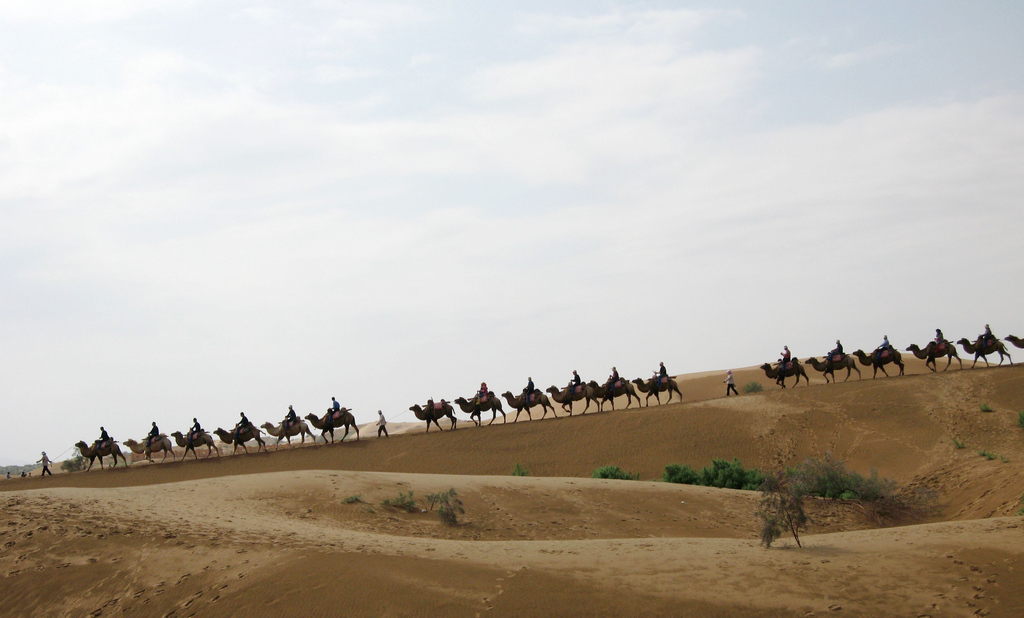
column 752, row 387
column 74, row 464
column 985, row 407
column 449, row 506
column 987, row 454
column 404, row 501
column 519, row 470
column 780, row 509
column 1020, row 418
column 829, row 478
column 958, row 444
column 615, row 472
column 1004, row 459
column 352, row 499
column 721, row 473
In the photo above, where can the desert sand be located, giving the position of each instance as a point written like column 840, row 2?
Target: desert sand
column 301, row 530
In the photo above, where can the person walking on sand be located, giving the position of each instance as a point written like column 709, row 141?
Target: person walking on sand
column 46, row 464
column 730, row 384
column 382, row 425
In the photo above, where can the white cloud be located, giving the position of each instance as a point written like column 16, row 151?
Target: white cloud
column 849, row 59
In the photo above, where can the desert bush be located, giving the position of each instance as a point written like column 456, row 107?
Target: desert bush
column 404, row 501
column 518, row 470
column 449, row 506
column 74, row 464
column 352, row 499
column 614, row 472
column 985, row 407
column 674, row 473
column 1020, row 418
column 829, row 478
column 958, row 444
column 780, row 509
column 987, row 454
column 752, row 387
column 721, row 473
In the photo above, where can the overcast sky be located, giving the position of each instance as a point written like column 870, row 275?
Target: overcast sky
column 215, row 207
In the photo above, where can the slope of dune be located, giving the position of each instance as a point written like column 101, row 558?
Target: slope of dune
column 302, row 529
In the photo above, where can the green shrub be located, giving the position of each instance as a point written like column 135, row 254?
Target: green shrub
column 752, row 387
column 829, row 478
column 401, row 501
column 721, row 473
column 986, row 408
column 75, row 464
column 352, row 499
column 1020, row 418
column 450, row 507
column 779, row 509
column 987, row 454
column 614, row 472
column 674, row 473
column 518, row 470
column 958, row 444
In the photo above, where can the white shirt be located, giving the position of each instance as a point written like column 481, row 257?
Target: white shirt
column 381, row 422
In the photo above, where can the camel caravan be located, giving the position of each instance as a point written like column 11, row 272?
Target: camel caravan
column 532, row 399
column 982, row 347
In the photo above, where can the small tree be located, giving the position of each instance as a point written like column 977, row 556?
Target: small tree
column 780, row 510
column 450, row 507
column 74, row 464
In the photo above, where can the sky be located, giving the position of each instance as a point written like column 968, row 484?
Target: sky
column 208, row 208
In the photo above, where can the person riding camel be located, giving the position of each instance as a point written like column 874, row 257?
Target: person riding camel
column 103, row 439
column 610, row 384
column 528, row 391
column 481, row 397
column 242, row 426
column 883, row 347
column 154, row 433
column 783, row 362
column 195, row 431
column 986, row 338
column 837, row 351
column 661, row 373
column 289, row 419
column 939, row 337
column 574, row 382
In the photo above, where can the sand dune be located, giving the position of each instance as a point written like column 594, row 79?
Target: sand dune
column 280, row 533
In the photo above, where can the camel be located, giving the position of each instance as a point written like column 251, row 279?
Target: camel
column 827, row 367
column 106, row 450
column 622, row 387
column 537, row 398
column 298, row 428
column 493, row 404
column 202, row 438
column 161, row 443
column 341, row 417
column 228, row 437
column 651, row 387
column 879, row 362
column 991, row 348
column 431, row 412
column 1017, row 341
column 562, row 396
column 932, row 351
column 794, row 369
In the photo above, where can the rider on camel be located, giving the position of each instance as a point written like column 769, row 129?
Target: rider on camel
column 242, row 426
column 610, row 384
column 289, row 419
column 528, row 391
column 481, row 397
column 986, row 338
column 939, row 338
column 103, row 439
column 574, row 382
column 786, row 356
column 837, row 351
column 195, row 431
column 154, row 433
